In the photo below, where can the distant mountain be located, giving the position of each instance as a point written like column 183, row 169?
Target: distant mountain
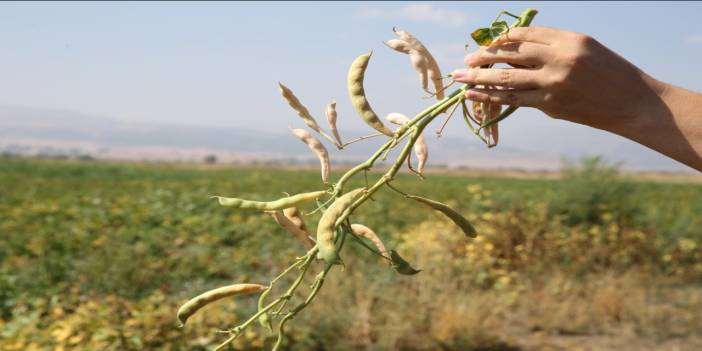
column 45, row 131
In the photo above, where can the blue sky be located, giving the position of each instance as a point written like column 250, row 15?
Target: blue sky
column 218, row 63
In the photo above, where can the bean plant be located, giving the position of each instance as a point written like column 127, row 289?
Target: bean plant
column 336, row 203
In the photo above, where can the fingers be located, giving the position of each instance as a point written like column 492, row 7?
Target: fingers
column 540, row 35
column 517, row 53
column 530, row 98
column 510, row 78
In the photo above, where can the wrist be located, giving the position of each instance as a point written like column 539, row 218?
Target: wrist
column 646, row 110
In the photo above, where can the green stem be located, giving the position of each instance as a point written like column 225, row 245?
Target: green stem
column 413, row 129
column 237, row 330
column 454, row 98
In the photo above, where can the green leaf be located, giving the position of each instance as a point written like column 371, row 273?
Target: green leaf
column 482, row 36
column 497, row 29
column 485, row 36
column 400, row 265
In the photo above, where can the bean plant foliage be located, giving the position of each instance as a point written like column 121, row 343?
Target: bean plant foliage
column 336, row 203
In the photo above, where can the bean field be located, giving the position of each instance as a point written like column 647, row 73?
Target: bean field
column 100, row 255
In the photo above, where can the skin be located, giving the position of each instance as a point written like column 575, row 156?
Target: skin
column 572, row 76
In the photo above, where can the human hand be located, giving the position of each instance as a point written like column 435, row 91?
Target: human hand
column 566, row 75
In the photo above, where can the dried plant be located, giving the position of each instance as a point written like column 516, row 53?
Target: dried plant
column 336, row 203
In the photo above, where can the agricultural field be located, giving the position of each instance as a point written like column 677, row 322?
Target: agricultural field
column 99, row 256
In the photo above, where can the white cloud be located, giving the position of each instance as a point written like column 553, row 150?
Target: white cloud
column 424, row 12
column 694, row 39
column 419, row 12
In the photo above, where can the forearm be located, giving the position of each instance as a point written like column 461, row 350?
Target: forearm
column 572, row 76
column 669, row 122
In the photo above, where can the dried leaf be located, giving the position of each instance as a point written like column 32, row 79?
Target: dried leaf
column 456, row 217
column 400, row 265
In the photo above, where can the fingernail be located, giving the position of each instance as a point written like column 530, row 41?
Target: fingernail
column 458, row 74
column 476, row 95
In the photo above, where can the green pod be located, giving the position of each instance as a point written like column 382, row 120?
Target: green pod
column 200, row 301
column 280, row 204
column 327, row 225
column 456, row 217
column 357, row 95
column 265, row 319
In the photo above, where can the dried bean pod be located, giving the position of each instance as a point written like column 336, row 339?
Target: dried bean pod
column 196, row 303
column 432, row 66
column 327, row 226
column 419, row 61
column 294, row 215
column 330, row 111
column 293, row 229
column 357, row 94
column 456, row 217
column 484, row 112
column 279, row 204
column 318, row 149
column 399, row 45
column 365, row 232
column 420, row 146
column 299, row 108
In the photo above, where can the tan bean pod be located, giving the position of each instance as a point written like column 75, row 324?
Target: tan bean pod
column 432, row 67
column 483, row 113
column 196, row 303
column 330, row 111
column 365, row 232
column 456, row 217
column 294, row 215
column 299, row 234
column 357, row 94
column 279, row 204
column 421, row 150
column 419, row 60
column 327, row 226
column 301, row 110
column 318, row 149
column 399, row 45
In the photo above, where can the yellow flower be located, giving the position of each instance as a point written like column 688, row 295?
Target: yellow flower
column 687, row 245
column 474, row 188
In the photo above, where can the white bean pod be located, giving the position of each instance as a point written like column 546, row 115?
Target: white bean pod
column 318, row 149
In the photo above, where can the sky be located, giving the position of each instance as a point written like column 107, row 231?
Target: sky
column 217, row 64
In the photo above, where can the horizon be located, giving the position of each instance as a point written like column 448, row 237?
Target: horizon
column 216, row 65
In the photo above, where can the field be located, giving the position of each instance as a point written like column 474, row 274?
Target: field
column 98, row 256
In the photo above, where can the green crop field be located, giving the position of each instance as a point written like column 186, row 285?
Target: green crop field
column 99, row 256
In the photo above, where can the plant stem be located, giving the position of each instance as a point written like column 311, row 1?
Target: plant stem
column 362, row 138
column 236, row 331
